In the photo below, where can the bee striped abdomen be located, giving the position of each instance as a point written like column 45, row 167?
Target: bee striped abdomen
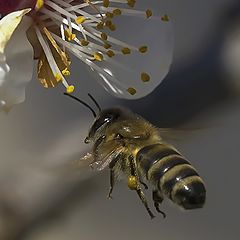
column 171, row 174
column 151, row 155
column 164, row 166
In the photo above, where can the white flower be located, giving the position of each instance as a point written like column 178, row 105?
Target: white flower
column 130, row 51
column 16, row 63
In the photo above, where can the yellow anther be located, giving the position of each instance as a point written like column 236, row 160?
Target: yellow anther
column 131, row 3
column 110, row 53
column 132, row 182
column 148, row 13
column 143, row 49
column 70, row 89
column 165, row 18
column 66, row 72
column 80, row 20
column 106, row 3
column 58, row 77
column 126, row 51
column 99, row 26
column 132, row 90
column 145, row 77
column 107, row 45
column 117, row 12
column 112, row 27
column 109, row 15
column 39, row 4
column 69, row 35
column 104, row 36
column 98, row 56
column 108, row 23
column 84, row 42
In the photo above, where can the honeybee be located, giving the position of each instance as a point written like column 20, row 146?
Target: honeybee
column 126, row 143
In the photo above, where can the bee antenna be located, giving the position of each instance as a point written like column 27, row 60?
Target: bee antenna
column 95, row 101
column 82, row 102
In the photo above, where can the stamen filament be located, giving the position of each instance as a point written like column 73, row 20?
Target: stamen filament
column 51, row 61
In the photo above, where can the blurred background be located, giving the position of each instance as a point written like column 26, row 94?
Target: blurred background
column 44, row 196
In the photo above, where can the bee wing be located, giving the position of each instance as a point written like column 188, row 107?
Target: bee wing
column 177, row 133
column 87, row 159
column 98, row 164
column 104, row 161
column 73, row 164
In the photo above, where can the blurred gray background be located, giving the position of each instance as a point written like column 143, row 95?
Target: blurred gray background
column 44, row 196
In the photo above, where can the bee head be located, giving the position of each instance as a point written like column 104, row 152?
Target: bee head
column 103, row 120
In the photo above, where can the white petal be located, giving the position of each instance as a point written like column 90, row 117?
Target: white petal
column 16, row 67
column 8, row 24
column 122, row 72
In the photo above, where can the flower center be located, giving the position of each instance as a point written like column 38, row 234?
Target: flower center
column 86, row 29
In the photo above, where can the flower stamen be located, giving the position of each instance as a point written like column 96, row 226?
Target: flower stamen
column 51, row 61
column 86, row 34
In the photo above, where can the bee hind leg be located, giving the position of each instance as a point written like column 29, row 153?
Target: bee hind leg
column 144, row 201
column 157, row 199
column 133, row 184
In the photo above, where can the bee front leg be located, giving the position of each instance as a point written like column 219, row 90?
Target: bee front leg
column 133, row 184
column 157, row 199
column 112, row 182
column 112, row 177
